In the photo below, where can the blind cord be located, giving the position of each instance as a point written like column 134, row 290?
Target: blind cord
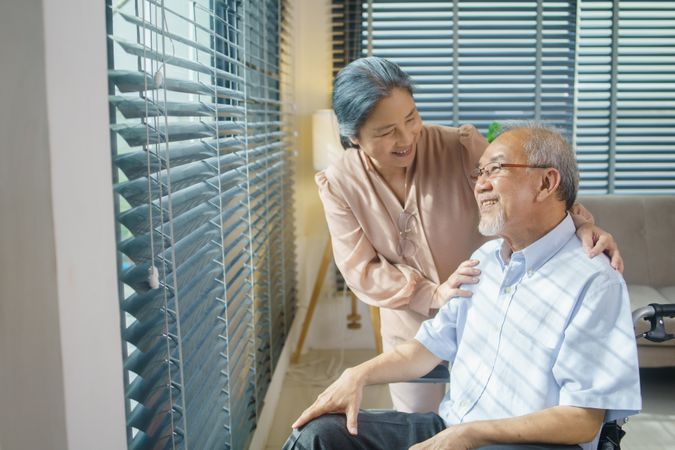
column 172, row 249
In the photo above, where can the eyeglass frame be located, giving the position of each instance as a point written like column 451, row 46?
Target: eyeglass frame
column 478, row 172
column 403, row 231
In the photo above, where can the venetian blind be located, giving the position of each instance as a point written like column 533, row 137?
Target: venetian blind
column 347, row 31
column 625, row 131
column 478, row 62
column 202, row 151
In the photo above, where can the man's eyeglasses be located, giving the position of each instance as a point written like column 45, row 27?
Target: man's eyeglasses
column 493, row 169
column 406, row 247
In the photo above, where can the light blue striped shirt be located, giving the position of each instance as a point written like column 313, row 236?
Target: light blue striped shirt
column 550, row 327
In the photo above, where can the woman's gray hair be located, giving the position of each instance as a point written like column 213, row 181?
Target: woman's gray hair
column 357, row 89
column 546, row 146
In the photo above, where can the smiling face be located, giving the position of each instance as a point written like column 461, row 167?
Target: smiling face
column 391, row 130
column 505, row 200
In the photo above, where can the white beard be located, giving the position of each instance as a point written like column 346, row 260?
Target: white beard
column 492, row 224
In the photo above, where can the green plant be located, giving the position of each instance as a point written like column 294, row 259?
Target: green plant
column 493, row 130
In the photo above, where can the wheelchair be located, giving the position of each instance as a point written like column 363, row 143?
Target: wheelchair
column 612, row 432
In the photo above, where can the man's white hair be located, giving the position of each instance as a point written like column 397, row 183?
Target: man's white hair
column 546, row 146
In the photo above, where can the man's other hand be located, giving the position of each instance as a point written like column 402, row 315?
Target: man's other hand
column 343, row 396
column 455, row 437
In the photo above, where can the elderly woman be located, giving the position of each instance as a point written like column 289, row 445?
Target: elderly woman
column 401, row 211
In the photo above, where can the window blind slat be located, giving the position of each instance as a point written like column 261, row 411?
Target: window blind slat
column 137, row 135
column 132, row 81
column 135, row 164
column 134, row 107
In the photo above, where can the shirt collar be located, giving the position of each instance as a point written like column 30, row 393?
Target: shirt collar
column 540, row 251
column 366, row 160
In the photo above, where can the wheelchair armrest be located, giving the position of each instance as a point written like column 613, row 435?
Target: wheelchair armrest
column 439, row 374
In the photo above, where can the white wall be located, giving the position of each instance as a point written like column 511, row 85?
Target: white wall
column 61, row 370
column 31, row 379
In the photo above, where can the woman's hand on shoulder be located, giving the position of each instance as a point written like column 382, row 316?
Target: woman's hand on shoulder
column 466, row 273
column 596, row 240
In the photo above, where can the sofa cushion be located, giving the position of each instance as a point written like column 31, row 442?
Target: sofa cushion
column 643, row 227
column 669, row 293
column 644, row 295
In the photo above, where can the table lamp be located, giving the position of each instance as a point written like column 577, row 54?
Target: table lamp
column 326, row 145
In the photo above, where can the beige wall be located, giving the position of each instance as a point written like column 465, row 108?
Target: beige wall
column 314, row 72
column 313, row 84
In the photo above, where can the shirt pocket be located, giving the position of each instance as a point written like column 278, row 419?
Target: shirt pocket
column 539, row 339
column 536, row 326
column 531, row 355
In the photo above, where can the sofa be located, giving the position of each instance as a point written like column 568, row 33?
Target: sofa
column 644, row 228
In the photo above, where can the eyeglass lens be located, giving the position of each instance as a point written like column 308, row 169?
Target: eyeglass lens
column 489, row 170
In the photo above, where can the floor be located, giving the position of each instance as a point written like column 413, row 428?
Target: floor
column 652, row 429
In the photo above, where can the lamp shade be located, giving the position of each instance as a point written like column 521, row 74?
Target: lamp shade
column 325, row 139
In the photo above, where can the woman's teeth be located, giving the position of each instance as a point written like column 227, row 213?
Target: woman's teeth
column 404, row 152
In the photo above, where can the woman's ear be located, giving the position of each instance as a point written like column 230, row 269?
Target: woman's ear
column 550, row 181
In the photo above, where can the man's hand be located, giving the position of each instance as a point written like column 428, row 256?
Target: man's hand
column 455, row 437
column 407, row 361
column 343, row 396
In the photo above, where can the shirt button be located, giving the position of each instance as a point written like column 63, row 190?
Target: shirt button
column 507, row 290
column 530, row 273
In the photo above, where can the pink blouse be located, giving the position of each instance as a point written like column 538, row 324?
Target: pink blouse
column 363, row 218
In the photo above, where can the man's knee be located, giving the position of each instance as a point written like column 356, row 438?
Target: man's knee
column 325, row 432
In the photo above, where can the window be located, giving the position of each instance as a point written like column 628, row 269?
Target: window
column 477, row 62
column 625, row 138
column 202, row 150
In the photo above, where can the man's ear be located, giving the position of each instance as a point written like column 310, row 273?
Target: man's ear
column 550, row 181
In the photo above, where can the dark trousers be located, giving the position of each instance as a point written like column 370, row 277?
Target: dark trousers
column 385, row 430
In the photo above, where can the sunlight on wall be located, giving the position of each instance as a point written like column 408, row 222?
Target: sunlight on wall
column 313, row 86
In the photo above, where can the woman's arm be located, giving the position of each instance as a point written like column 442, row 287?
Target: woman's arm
column 473, row 145
column 375, row 280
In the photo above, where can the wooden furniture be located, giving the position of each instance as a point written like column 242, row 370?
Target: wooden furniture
column 316, row 291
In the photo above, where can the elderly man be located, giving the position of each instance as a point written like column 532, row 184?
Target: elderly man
column 542, row 353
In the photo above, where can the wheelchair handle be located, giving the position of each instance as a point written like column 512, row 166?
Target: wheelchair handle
column 655, row 313
column 664, row 310
column 643, row 313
